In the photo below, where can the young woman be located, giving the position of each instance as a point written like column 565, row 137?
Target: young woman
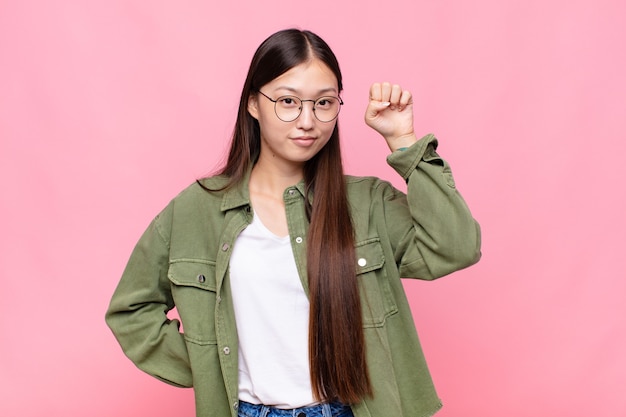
column 284, row 271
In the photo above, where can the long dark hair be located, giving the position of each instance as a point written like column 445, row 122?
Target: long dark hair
column 336, row 342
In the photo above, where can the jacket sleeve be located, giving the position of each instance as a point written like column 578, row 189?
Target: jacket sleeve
column 137, row 314
column 431, row 227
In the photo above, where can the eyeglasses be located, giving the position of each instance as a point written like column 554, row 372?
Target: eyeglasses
column 288, row 108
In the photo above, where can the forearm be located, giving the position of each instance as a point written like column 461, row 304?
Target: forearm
column 137, row 314
column 444, row 232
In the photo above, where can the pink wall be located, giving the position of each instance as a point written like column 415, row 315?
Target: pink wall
column 109, row 108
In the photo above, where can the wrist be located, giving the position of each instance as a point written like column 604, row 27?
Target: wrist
column 401, row 142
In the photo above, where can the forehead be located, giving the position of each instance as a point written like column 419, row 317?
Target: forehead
column 310, row 77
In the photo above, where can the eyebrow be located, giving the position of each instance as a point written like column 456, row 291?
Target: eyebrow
column 319, row 92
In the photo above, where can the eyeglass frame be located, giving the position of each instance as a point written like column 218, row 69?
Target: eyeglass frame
column 301, row 106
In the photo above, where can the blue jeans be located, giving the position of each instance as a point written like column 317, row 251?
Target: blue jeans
column 321, row 410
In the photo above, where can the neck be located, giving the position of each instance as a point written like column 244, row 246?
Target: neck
column 274, row 179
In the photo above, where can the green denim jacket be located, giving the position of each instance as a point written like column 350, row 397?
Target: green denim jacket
column 182, row 261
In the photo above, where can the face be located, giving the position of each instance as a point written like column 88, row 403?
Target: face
column 293, row 143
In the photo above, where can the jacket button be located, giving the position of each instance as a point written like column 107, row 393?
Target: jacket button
column 298, row 239
column 292, row 191
column 226, row 350
column 225, row 247
column 362, row 262
column 236, row 405
column 201, row 278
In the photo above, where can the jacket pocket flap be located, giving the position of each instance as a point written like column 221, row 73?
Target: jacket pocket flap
column 197, row 273
column 369, row 256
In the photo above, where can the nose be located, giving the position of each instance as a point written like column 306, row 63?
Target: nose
column 306, row 120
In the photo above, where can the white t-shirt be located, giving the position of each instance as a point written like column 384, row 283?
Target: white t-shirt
column 272, row 314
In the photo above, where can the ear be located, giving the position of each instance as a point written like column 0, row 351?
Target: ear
column 253, row 106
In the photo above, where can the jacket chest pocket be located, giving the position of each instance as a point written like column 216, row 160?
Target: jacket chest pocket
column 193, row 285
column 377, row 301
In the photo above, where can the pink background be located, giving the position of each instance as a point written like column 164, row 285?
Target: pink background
column 109, row 108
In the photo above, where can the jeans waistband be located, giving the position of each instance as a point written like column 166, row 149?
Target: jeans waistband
column 321, row 410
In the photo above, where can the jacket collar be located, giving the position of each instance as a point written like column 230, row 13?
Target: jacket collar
column 238, row 195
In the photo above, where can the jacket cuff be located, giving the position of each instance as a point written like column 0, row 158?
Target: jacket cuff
column 404, row 162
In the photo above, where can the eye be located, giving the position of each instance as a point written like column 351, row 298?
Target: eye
column 325, row 102
column 288, row 101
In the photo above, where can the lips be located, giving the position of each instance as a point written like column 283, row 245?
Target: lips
column 304, row 141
